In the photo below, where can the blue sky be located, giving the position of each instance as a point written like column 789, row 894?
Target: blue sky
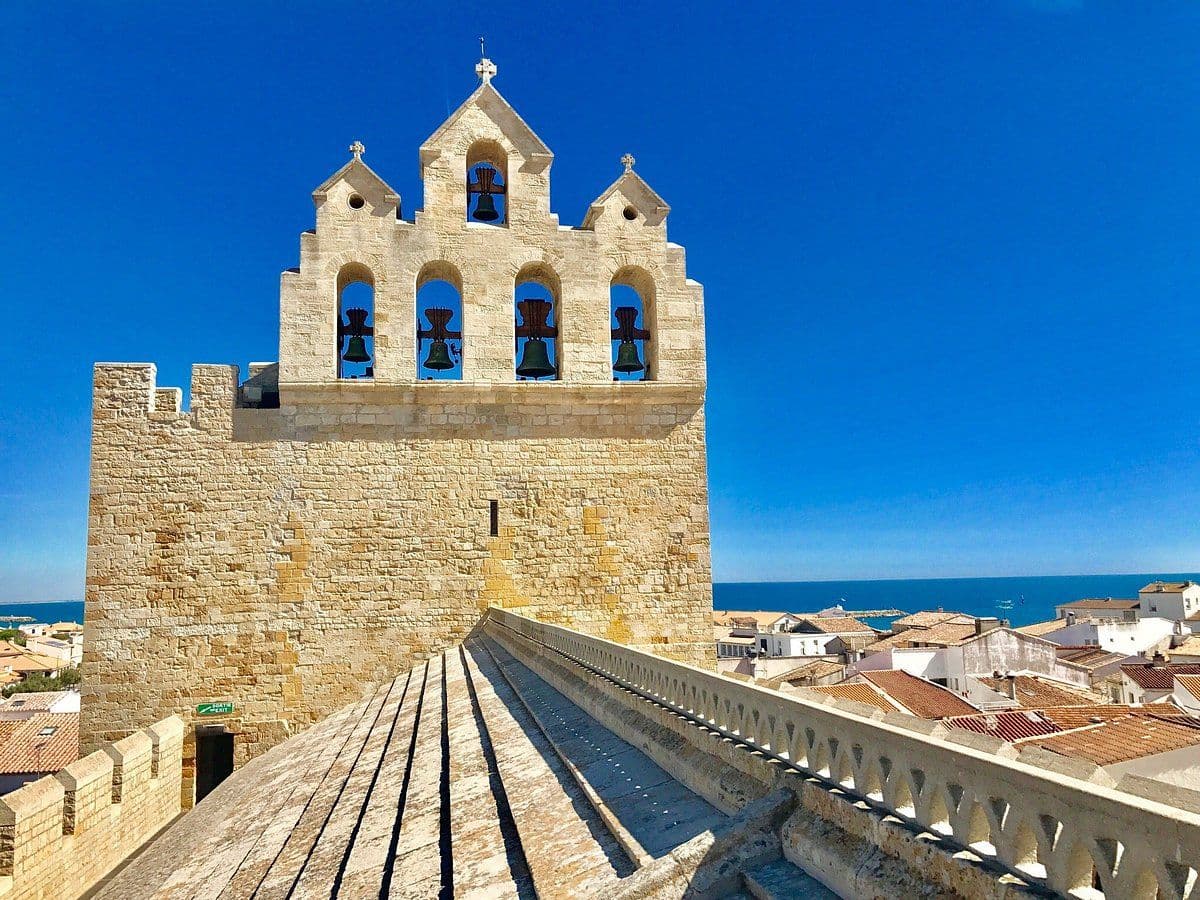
column 949, row 249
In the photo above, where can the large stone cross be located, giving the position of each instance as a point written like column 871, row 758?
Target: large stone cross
column 358, row 149
column 627, row 160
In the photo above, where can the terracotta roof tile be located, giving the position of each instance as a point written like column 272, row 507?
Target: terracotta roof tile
column 762, row 619
column 1034, row 692
column 818, row 668
column 1120, row 740
column 1190, row 647
column 1156, row 677
column 724, row 636
column 1158, row 587
column 918, row 696
column 39, row 701
column 1068, row 717
column 863, row 693
column 943, row 635
column 1037, row 629
column 1101, row 603
column 1088, row 657
column 1010, row 725
column 1190, row 683
column 31, row 749
column 929, row 618
column 838, row 625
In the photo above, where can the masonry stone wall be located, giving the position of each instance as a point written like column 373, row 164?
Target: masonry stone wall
column 61, row 834
column 283, row 559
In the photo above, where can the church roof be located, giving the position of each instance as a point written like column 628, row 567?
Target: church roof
column 445, row 782
column 491, row 102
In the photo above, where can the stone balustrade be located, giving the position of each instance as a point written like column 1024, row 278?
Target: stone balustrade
column 1055, row 823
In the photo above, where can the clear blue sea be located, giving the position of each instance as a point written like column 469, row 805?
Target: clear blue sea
column 64, row 611
column 1033, row 598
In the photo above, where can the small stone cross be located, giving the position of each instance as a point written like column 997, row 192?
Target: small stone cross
column 358, row 149
column 627, row 160
column 485, row 69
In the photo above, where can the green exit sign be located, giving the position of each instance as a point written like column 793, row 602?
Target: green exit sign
column 215, row 709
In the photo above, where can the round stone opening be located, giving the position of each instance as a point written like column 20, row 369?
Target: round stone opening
column 630, row 213
column 357, row 202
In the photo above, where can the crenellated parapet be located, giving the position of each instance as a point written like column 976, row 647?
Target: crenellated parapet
column 61, row 834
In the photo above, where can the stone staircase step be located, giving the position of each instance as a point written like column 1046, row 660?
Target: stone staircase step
column 648, row 810
column 575, row 854
column 782, row 880
column 327, row 859
column 415, row 864
column 288, row 864
column 487, row 856
column 291, row 792
column 368, row 857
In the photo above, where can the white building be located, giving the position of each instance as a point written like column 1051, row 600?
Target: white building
column 995, row 650
column 1178, row 600
column 69, row 648
column 1128, row 637
column 816, row 636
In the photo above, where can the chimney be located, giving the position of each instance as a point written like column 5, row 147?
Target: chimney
column 1010, row 686
column 1158, row 657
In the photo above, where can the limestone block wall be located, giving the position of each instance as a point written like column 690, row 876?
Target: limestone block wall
column 61, row 834
column 284, row 559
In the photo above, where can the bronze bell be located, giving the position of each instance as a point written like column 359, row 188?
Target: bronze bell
column 485, row 209
column 535, row 360
column 439, row 356
column 356, row 352
column 627, row 358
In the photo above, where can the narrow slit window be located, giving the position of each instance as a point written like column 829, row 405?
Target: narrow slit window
column 494, row 517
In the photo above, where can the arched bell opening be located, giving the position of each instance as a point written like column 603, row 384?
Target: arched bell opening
column 355, row 351
column 631, row 302
column 536, row 304
column 439, row 323
column 487, row 183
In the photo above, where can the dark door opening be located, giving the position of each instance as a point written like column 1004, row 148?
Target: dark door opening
column 214, row 758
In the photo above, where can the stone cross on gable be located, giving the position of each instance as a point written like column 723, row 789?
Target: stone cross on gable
column 627, row 160
column 485, row 69
column 358, row 149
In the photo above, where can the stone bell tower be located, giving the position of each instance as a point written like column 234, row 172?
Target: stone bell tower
column 473, row 406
